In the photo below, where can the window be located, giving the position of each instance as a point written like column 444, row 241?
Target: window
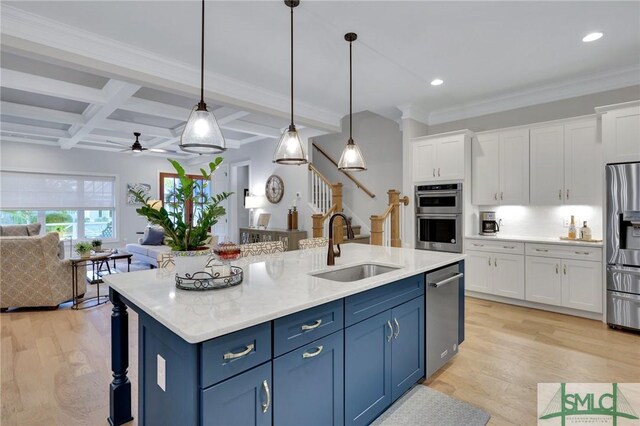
column 201, row 192
column 75, row 206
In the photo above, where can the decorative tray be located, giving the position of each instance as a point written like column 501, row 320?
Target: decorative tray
column 200, row 281
column 579, row 240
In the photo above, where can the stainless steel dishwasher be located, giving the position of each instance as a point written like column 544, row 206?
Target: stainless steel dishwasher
column 442, row 316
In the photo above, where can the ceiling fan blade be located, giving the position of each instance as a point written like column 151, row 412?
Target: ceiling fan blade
column 125, row 150
column 117, row 143
column 158, row 150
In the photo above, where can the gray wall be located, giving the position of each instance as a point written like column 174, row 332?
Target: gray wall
column 566, row 108
column 380, row 141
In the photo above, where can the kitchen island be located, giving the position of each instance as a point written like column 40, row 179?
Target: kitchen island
column 284, row 347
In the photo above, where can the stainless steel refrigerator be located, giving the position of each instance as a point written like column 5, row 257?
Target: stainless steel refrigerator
column 623, row 245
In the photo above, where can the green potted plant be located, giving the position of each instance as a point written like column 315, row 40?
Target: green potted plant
column 96, row 244
column 187, row 240
column 83, row 248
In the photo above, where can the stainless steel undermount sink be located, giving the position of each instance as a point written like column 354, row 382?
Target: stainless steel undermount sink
column 355, row 273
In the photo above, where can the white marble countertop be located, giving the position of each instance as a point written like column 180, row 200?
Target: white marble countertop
column 273, row 286
column 529, row 239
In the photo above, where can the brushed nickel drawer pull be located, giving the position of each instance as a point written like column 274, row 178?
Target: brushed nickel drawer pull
column 265, row 387
column 509, row 247
column 314, row 353
column 495, row 262
column 434, row 172
column 495, row 196
column 390, row 331
column 247, row 351
column 397, row 333
column 501, row 195
column 583, row 252
column 313, row 326
column 543, row 250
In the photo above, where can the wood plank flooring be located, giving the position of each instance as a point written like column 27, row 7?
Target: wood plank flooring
column 55, row 365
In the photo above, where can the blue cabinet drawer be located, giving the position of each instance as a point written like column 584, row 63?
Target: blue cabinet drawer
column 365, row 305
column 304, row 327
column 234, row 353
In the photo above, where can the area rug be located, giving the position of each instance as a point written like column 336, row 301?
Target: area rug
column 425, row 406
column 121, row 265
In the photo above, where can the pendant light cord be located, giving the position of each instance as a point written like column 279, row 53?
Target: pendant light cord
column 350, row 94
column 292, row 67
column 202, row 58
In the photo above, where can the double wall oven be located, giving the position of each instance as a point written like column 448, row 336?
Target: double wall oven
column 623, row 245
column 439, row 217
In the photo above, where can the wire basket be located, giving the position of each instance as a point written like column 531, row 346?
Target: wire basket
column 201, row 281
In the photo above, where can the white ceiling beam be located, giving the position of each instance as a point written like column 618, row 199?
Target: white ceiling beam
column 4, row 138
column 25, row 129
column 145, row 129
column 47, row 86
column 231, row 117
column 116, row 92
column 253, row 129
column 38, row 113
column 252, row 139
column 156, row 108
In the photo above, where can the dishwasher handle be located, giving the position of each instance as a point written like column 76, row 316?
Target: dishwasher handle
column 447, row 280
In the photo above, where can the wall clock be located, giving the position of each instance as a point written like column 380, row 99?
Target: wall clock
column 274, row 189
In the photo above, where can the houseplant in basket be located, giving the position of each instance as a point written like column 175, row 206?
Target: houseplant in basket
column 83, row 249
column 97, row 245
column 186, row 239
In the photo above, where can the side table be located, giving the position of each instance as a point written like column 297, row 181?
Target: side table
column 93, row 261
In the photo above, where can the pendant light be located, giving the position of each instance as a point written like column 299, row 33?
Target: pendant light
column 289, row 150
column 201, row 134
column 351, row 159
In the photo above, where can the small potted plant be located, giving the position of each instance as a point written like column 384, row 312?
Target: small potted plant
column 97, row 245
column 187, row 239
column 83, row 248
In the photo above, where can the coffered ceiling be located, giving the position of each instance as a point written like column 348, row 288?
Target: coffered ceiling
column 83, row 72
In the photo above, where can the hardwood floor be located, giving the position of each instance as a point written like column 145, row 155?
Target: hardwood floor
column 55, row 365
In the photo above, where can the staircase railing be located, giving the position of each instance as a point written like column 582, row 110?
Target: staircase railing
column 387, row 228
column 347, row 174
column 326, row 197
column 321, row 190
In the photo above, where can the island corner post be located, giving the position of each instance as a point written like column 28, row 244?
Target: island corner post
column 120, row 386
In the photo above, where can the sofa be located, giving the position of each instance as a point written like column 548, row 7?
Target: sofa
column 30, row 230
column 32, row 274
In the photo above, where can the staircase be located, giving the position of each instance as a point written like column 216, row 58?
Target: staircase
column 359, row 239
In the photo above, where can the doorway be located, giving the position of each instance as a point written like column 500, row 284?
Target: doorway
column 240, row 184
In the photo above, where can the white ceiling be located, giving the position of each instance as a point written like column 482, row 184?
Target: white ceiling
column 485, row 52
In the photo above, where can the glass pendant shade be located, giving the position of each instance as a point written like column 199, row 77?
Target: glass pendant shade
column 351, row 159
column 202, row 134
column 289, row 150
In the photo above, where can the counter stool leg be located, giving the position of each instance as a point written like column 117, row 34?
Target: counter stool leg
column 120, row 388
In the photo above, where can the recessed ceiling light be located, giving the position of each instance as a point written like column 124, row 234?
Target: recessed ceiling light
column 592, row 37
column 437, row 82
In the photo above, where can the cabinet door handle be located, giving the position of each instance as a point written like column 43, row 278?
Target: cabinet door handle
column 477, row 245
column 434, row 172
column 489, row 261
column 267, row 394
column 306, row 327
column 543, row 250
column 586, row 253
column 556, row 269
column 564, row 267
column 314, row 353
column 559, row 194
column 390, row 331
column 501, row 195
column 397, row 333
column 247, row 351
column 495, row 262
column 495, row 196
column 509, row 247
column 438, row 171
column 567, row 194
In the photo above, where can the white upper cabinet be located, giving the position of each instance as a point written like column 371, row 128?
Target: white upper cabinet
column 500, row 168
column 439, row 158
column 621, row 132
column 547, row 165
column 566, row 164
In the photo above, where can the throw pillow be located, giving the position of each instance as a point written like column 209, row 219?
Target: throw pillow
column 33, row 229
column 153, row 236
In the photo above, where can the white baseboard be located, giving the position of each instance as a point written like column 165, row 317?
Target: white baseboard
column 535, row 305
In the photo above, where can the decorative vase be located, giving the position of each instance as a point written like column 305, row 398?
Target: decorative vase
column 192, row 261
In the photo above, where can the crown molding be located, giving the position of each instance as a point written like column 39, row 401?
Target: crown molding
column 47, row 37
column 606, row 108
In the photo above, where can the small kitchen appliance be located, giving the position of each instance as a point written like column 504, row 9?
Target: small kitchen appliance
column 488, row 223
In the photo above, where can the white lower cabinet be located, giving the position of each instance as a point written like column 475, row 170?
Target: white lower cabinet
column 573, row 284
column 495, row 273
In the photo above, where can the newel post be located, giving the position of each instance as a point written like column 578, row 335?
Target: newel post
column 317, row 225
column 394, row 200
column 376, row 230
column 338, row 224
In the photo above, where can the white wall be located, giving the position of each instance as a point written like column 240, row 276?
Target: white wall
column 380, row 141
column 126, row 168
column 260, row 155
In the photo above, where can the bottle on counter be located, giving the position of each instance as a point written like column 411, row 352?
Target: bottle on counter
column 294, row 219
column 585, row 231
column 289, row 220
column 572, row 228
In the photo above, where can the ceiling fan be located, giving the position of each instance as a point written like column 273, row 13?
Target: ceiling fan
column 137, row 146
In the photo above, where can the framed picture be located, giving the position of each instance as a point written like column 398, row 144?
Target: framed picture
column 144, row 187
column 263, row 220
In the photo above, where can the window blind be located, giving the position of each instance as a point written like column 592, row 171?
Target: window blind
column 38, row 191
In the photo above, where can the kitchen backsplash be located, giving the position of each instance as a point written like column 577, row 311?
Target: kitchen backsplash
column 545, row 221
